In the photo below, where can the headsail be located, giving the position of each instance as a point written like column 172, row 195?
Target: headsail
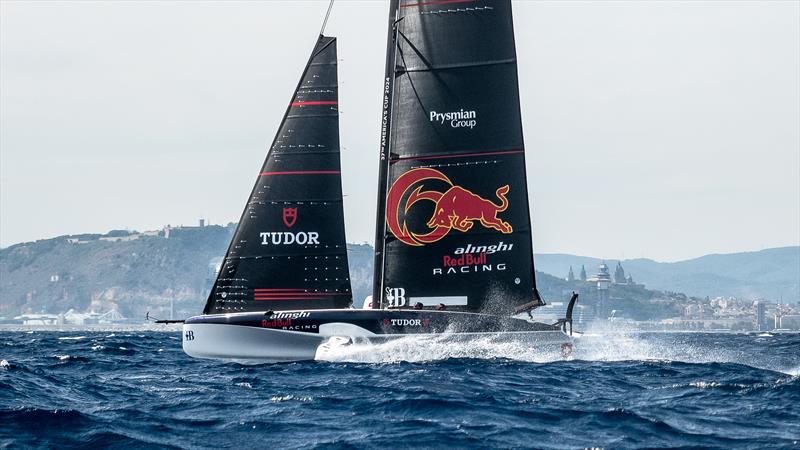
column 456, row 226
column 289, row 249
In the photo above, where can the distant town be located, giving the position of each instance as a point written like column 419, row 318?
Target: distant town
column 700, row 314
column 119, row 278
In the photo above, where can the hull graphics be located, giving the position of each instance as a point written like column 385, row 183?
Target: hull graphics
column 296, row 335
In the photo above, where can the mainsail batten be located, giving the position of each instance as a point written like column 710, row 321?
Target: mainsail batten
column 289, row 249
column 456, row 221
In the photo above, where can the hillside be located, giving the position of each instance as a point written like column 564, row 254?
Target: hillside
column 133, row 273
column 139, row 272
column 769, row 274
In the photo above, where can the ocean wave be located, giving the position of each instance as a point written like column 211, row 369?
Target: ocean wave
column 620, row 390
column 72, row 338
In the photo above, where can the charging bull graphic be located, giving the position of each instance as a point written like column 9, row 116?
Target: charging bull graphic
column 455, row 208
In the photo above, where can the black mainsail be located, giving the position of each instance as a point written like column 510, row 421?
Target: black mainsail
column 289, row 249
column 453, row 216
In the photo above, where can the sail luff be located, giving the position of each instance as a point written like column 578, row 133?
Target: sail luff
column 385, row 156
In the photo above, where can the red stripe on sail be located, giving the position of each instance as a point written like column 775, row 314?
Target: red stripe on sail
column 461, row 155
column 437, row 2
column 278, row 289
column 259, row 299
column 301, row 172
column 315, row 103
column 298, row 294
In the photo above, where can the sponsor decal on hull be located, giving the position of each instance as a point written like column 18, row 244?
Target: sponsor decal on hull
column 455, row 208
column 288, row 321
column 290, row 315
column 421, row 323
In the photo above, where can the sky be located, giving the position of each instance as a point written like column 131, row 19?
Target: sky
column 665, row 130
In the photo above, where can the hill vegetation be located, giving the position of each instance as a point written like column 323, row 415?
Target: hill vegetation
column 139, row 272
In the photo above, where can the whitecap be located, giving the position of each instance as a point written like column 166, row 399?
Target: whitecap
column 5, row 365
column 283, row 398
column 245, row 385
column 72, row 338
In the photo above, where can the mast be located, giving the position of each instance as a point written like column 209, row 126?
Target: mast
column 385, row 155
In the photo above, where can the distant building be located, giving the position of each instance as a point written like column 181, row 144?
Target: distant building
column 583, row 273
column 761, row 316
column 570, row 275
column 619, row 274
column 39, row 319
column 603, row 280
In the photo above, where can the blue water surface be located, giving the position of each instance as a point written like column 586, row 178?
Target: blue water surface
column 137, row 389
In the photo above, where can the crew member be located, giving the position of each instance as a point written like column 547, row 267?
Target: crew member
column 418, row 305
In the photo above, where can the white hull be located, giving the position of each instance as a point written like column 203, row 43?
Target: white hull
column 252, row 345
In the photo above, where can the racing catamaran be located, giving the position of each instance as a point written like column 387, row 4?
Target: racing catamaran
column 453, row 250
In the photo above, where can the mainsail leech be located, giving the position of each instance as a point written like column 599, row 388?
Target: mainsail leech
column 289, row 249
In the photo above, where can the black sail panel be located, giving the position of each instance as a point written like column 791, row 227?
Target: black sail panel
column 457, row 224
column 289, row 249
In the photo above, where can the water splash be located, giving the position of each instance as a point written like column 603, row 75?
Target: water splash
column 599, row 343
column 423, row 348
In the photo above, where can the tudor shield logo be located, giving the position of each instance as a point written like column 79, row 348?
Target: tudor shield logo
column 454, row 208
column 289, row 217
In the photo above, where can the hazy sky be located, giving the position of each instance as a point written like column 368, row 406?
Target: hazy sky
column 666, row 130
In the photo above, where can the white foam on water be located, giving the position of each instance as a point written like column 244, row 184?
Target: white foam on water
column 72, row 338
column 607, row 342
column 283, row 398
column 4, row 365
column 423, row 348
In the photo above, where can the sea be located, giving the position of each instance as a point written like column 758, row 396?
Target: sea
column 619, row 389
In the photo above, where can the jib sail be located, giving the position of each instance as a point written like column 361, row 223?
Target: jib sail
column 453, row 221
column 289, row 249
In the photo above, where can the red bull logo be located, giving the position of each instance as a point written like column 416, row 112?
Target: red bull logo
column 455, row 208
